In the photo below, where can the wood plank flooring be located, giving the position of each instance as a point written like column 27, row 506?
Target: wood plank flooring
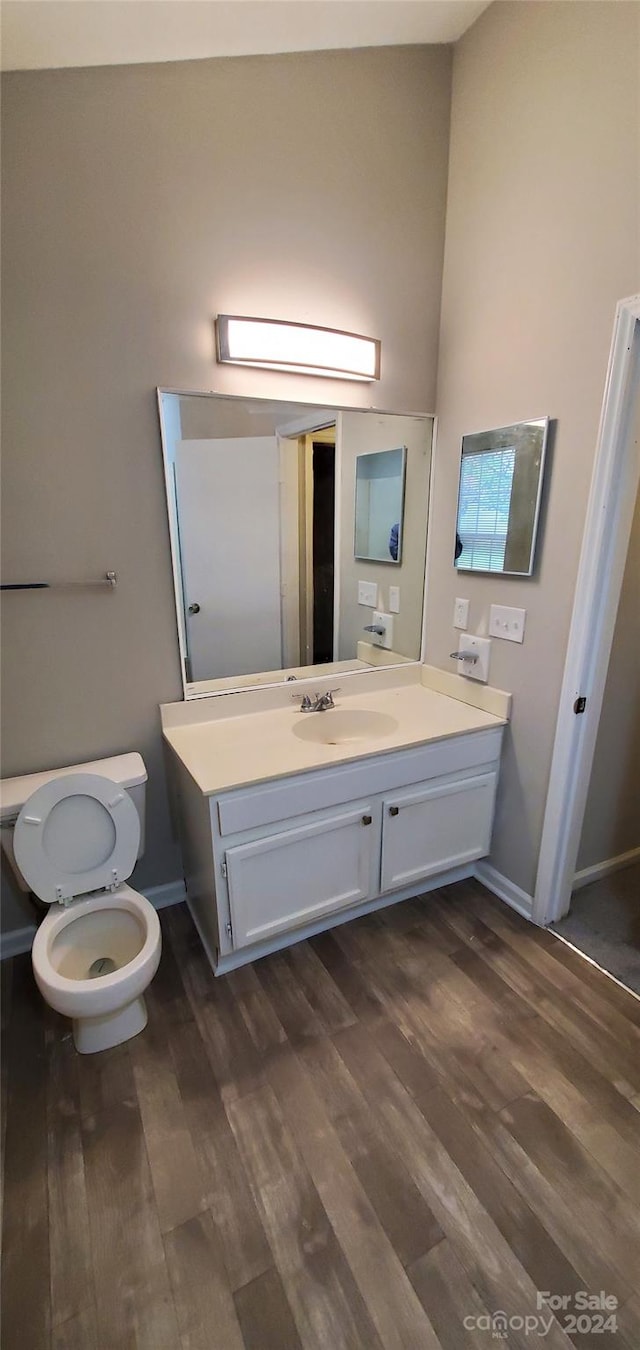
column 377, row 1139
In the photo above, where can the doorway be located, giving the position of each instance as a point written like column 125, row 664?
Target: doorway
column 309, row 478
column 607, row 535
column 604, row 918
column 323, row 531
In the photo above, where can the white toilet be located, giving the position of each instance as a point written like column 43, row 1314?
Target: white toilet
column 72, row 837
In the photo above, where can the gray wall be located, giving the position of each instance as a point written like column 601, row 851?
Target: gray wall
column 138, row 202
column 542, row 239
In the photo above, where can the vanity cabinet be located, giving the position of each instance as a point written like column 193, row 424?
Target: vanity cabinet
column 272, row 863
column 297, row 875
column 435, row 826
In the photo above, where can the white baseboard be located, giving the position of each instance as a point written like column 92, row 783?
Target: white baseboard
column 16, row 941
column 19, row 940
column 604, row 869
column 171, row 893
column 505, row 890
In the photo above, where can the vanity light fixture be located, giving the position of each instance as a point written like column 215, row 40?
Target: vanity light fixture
column 303, row 349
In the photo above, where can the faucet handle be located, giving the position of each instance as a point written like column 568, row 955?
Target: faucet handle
column 329, row 695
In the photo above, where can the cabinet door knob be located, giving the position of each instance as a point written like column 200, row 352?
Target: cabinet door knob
column 394, row 810
column 194, row 608
column 366, row 820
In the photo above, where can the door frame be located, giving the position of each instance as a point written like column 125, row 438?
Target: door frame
column 168, row 467
column 302, row 428
column 288, row 454
column 605, row 543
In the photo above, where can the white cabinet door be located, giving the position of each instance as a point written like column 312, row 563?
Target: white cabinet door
column 432, row 828
column 289, row 879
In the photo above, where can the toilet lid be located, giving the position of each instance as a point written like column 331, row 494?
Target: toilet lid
column 76, row 834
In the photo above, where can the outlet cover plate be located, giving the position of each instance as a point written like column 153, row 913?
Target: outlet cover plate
column 460, row 613
column 506, row 622
column 367, row 593
column 477, row 670
column 386, row 622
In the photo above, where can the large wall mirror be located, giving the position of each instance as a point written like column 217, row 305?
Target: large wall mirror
column 499, row 498
column 261, row 497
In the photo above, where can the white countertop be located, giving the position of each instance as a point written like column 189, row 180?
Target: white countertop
column 235, row 751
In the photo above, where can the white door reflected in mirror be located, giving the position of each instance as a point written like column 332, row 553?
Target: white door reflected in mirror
column 230, row 571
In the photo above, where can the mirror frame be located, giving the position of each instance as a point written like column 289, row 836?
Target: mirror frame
column 252, row 683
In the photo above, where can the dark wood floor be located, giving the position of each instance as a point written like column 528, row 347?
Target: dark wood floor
column 420, row 1118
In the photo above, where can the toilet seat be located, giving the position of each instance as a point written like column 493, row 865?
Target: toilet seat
column 76, row 834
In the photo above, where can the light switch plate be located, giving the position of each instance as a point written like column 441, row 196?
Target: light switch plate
column 460, row 613
column 367, row 593
column 508, row 623
column 394, row 599
column 474, row 670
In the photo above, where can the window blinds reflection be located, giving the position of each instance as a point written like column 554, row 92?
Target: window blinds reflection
column 486, row 481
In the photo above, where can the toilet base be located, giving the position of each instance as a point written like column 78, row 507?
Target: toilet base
column 91, row 1034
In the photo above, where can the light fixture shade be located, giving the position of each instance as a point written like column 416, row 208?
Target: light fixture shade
column 301, row 348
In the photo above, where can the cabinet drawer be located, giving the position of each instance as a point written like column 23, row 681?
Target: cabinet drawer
column 434, row 828
column 290, row 878
column 267, row 803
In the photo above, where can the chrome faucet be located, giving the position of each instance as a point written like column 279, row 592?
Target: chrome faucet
column 469, row 657
column 318, row 702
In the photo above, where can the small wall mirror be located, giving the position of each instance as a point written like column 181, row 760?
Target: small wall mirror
column 499, row 498
column 380, row 505
column 261, row 498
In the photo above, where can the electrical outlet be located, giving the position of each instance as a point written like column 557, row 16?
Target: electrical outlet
column 394, row 599
column 480, row 648
column 508, row 623
column 460, row 613
column 367, row 593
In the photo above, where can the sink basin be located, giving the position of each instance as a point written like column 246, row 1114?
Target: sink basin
column 341, row 726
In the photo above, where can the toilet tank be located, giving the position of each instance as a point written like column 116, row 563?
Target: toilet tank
column 128, row 771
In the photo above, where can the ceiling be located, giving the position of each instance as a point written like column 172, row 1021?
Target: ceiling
column 45, row 34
